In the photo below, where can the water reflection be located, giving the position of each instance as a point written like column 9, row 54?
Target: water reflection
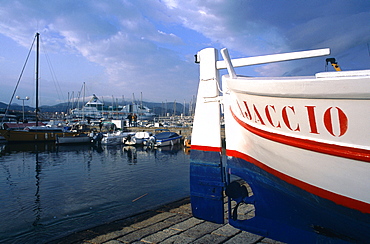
column 131, row 154
column 27, row 147
column 48, row 191
column 37, row 209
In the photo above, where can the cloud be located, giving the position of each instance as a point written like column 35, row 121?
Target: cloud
column 257, row 28
column 115, row 35
column 122, row 47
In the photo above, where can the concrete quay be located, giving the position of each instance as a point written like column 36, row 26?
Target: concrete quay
column 172, row 223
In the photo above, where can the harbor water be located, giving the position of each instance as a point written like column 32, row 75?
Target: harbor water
column 49, row 191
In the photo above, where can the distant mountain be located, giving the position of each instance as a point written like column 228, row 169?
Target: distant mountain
column 61, row 107
column 160, row 109
column 14, row 106
column 3, row 105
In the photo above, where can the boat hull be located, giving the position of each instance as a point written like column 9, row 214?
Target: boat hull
column 164, row 139
column 305, row 157
column 139, row 138
column 297, row 158
column 169, row 142
column 285, row 212
column 33, row 136
column 318, row 145
column 73, row 139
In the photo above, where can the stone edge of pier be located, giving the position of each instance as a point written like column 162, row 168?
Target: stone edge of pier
column 169, row 223
column 81, row 236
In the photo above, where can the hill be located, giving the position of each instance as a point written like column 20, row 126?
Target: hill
column 161, row 109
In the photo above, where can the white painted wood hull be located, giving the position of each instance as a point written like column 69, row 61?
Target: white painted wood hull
column 311, row 132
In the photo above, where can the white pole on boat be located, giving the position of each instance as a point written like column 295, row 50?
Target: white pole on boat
column 239, row 62
column 227, row 60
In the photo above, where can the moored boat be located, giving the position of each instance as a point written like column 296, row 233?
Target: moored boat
column 78, row 138
column 35, row 133
column 165, row 138
column 300, row 143
column 115, row 138
column 139, row 138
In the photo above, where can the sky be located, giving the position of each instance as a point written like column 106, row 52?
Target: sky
column 124, row 49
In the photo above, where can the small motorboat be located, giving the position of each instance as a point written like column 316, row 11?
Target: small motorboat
column 78, row 138
column 115, row 137
column 166, row 138
column 138, row 139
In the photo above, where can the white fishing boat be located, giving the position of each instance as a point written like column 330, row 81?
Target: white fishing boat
column 301, row 143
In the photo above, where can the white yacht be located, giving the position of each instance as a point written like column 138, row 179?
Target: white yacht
column 96, row 109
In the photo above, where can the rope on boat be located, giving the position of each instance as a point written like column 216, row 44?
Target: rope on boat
column 19, row 79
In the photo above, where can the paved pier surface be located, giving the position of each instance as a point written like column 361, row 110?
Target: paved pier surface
column 172, row 223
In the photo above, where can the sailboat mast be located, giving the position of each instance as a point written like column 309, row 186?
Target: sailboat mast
column 141, row 105
column 83, row 105
column 37, row 77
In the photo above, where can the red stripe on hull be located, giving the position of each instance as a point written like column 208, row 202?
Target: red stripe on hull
column 205, row 148
column 338, row 199
column 330, row 149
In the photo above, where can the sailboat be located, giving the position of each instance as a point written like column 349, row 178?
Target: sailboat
column 35, row 133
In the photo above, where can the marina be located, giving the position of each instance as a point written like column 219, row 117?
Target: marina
column 96, row 109
column 280, row 157
column 172, row 121
column 50, row 191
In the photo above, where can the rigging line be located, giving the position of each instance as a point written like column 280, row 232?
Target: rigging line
column 19, row 79
column 52, row 72
column 79, row 96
